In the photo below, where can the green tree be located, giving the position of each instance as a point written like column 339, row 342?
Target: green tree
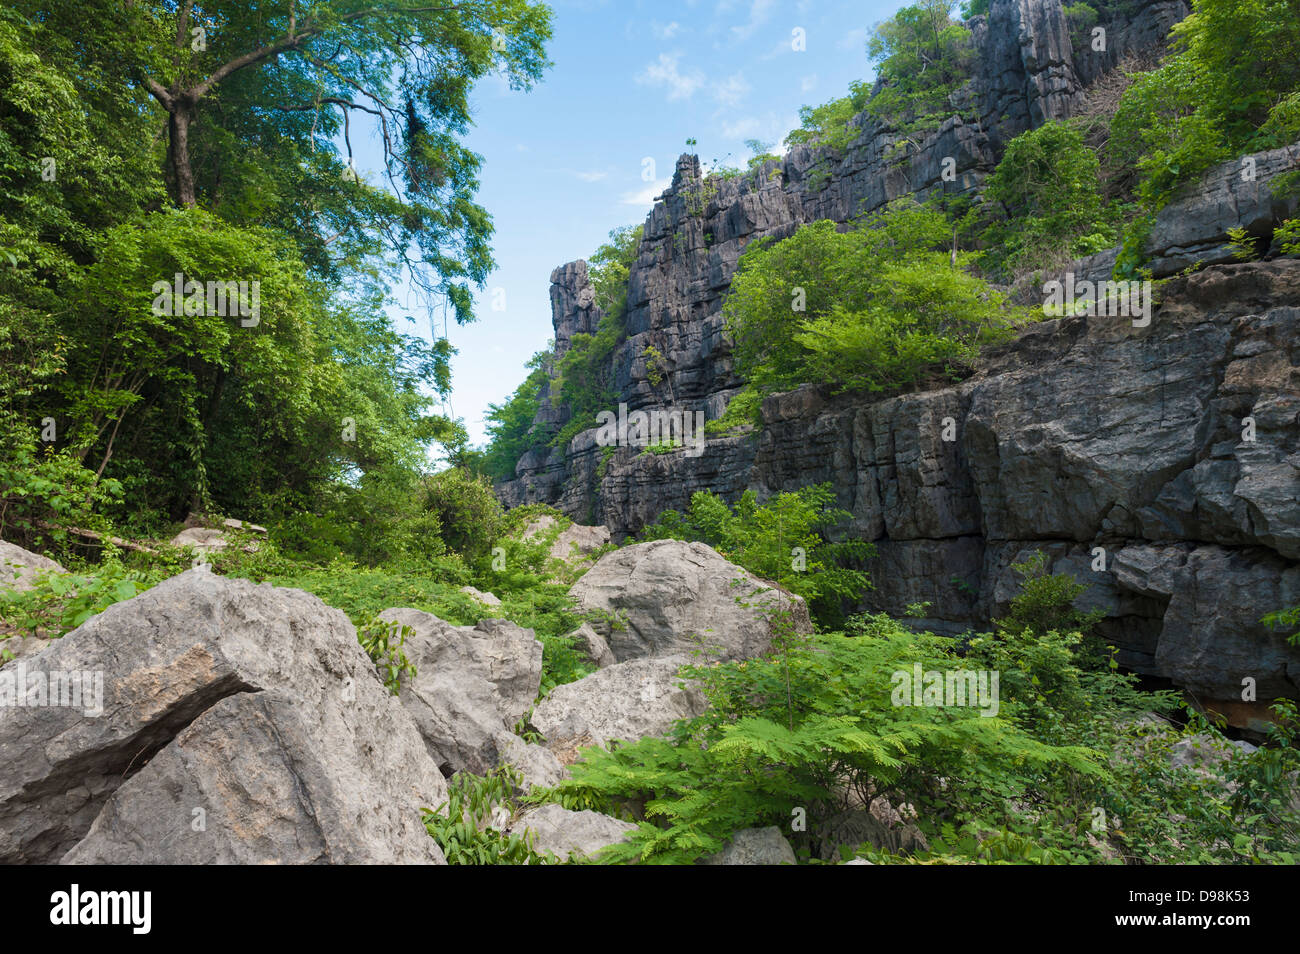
column 922, row 55
column 876, row 306
column 1048, row 185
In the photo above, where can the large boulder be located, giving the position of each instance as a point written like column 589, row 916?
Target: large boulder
column 472, row 684
column 669, row 596
column 755, row 846
column 565, row 833
column 218, row 721
column 19, row 568
column 626, row 701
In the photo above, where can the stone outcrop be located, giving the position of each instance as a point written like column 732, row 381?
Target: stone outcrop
column 755, row 846
column 627, row 701
column 471, row 685
column 218, row 722
column 668, row 597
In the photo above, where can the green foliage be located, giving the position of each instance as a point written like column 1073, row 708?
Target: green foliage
column 783, row 541
column 608, row 268
column 1045, row 602
column 469, row 516
column 755, row 756
column 384, row 642
column 1231, row 86
column 883, row 305
column 1288, row 236
column 1285, row 619
column 1081, row 18
column 1047, row 182
column 829, row 125
column 58, row 603
column 463, row 825
column 510, row 425
column 743, row 410
column 655, row 365
column 922, row 56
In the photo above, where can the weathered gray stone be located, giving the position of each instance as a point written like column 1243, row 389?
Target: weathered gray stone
column 19, row 568
column 755, row 846
column 593, row 646
column 202, row 539
column 255, row 704
column 626, row 701
column 472, row 684
column 487, row 599
column 670, row 597
column 582, row 834
column 537, row 765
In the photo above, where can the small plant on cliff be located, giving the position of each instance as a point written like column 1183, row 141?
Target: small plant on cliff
column 655, row 365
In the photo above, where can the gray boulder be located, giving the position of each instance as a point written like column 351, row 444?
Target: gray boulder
column 593, row 646
column 537, row 765
column 627, row 701
column 19, row 568
column 201, row 539
column 472, row 684
column 755, row 846
column 566, row 833
column 219, row 721
column 672, row 597
column 487, row 599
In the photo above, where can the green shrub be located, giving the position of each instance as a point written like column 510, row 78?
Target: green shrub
column 922, row 55
column 805, row 734
column 385, row 642
column 1048, row 184
column 878, row 306
column 469, row 515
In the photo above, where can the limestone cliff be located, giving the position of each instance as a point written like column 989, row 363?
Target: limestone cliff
column 1085, row 437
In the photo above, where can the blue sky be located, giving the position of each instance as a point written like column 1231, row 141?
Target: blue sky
column 563, row 163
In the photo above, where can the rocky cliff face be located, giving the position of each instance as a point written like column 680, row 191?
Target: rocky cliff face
column 1158, row 464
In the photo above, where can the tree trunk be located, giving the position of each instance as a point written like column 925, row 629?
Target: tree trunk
column 178, row 153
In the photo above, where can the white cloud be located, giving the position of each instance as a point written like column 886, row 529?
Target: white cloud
column 808, row 83
column 593, row 175
column 645, row 198
column 854, row 39
column 747, row 128
column 665, row 31
column 730, row 91
column 759, row 12
column 665, row 73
